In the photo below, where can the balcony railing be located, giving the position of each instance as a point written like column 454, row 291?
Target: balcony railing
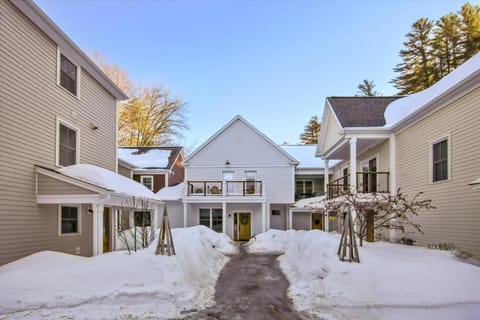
column 367, row 182
column 224, row 188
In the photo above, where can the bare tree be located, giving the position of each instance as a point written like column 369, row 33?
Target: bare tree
column 141, row 235
column 394, row 212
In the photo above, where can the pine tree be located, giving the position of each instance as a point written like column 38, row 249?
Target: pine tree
column 470, row 27
column 417, row 69
column 366, row 88
column 311, row 131
column 447, row 45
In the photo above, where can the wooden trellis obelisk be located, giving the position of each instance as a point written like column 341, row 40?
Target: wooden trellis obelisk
column 347, row 249
column 165, row 241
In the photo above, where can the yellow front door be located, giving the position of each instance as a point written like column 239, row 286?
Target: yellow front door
column 106, row 229
column 243, row 225
column 317, row 221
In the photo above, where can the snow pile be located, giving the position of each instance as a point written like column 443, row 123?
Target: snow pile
column 401, row 108
column 107, row 179
column 119, row 285
column 145, row 158
column 172, row 193
column 270, row 241
column 389, row 275
column 311, row 203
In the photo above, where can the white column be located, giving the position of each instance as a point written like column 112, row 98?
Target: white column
column 290, row 218
column 97, row 217
column 185, row 215
column 268, row 215
column 264, row 210
column 326, row 179
column 326, row 221
column 393, row 176
column 224, row 217
column 353, row 164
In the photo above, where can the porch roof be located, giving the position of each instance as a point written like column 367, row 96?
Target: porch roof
column 89, row 184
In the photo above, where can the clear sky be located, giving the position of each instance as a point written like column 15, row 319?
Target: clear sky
column 273, row 62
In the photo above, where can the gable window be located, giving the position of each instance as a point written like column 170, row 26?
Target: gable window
column 211, row 218
column 67, row 144
column 142, row 219
column 440, row 160
column 69, row 220
column 147, row 181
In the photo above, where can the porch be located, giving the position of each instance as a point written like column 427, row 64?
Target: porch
column 365, row 182
column 227, row 188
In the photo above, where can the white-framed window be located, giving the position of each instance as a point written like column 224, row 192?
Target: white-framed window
column 69, row 220
column 211, row 218
column 440, row 156
column 250, row 178
column 68, row 73
column 304, row 187
column 276, row 212
column 67, row 145
column 229, row 176
column 147, row 181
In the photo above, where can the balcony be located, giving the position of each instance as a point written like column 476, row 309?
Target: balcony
column 367, row 182
column 224, row 188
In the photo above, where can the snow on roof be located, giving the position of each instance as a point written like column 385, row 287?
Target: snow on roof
column 401, row 108
column 107, row 179
column 311, row 203
column 305, row 155
column 145, row 158
column 172, row 193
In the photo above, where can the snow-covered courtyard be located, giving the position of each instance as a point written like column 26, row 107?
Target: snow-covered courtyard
column 391, row 282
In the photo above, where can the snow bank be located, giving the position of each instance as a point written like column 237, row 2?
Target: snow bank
column 172, row 193
column 139, row 284
column 311, row 203
column 107, row 179
column 388, row 275
column 145, row 158
column 401, row 108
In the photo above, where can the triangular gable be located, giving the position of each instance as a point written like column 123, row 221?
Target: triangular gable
column 329, row 131
column 251, row 127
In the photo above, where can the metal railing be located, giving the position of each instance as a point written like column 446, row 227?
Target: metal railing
column 367, row 182
column 224, row 188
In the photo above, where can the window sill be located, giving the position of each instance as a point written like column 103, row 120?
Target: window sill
column 77, row 96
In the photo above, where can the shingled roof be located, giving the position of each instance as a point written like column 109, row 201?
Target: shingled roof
column 149, row 161
column 360, row 111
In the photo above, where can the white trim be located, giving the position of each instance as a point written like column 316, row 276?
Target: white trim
column 447, row 137
column 231, row 166
column 78, row 72
column 151, row 177
column 59, row 121
column 238, row 223
column 211, row 216
column 393, row 163
column 79, row 220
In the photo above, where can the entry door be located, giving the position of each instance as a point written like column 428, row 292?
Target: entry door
column 228, row 176
column 317, row 221
column 242, row 225
column 106, row 229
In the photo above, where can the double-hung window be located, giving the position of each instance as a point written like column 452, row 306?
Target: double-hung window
column 440, row 160
column 147, row 181
column 67, row 144
column 211, row 218
column 69, row 220
column 68, row 73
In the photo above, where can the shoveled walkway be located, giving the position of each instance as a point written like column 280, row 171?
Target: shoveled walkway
column 250, row 287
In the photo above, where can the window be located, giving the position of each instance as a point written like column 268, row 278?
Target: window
column 122, row 220
column 345, row 179
column 275, row 212
column 68, row 74
column 250, row 177
column 142, row 219
column 147, row 181
column 211, row 218
column 304, row 188
column 67, row 144
column 69, row 220
column 440, row 161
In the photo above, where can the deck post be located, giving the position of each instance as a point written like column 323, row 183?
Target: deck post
column 353, row 165
column 224, row 217
column 264, row 216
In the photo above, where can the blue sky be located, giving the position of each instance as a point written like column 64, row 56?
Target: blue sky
column 273, row 62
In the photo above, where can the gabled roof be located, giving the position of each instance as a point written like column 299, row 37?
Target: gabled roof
column 249, row 125
column 360, row 111
column 149, row 157
column 44, row 23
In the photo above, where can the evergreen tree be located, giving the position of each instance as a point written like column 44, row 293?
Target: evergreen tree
column 366, row 88
column 311, row 131
column 470, row 27
column 416, row 70
column 447, row 45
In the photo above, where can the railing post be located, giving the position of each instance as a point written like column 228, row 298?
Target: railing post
column 244, row 188
column 204, row 188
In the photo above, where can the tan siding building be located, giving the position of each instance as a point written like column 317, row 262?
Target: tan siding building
column 33, row 103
